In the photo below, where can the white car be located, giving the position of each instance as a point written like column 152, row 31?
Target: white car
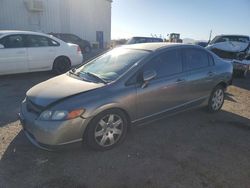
column 25, row 51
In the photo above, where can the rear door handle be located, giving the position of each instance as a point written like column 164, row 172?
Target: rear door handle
column 20, row 52
column 210, row 73
column 180, row 80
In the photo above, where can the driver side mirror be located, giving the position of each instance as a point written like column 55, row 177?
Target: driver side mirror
column 1, row 46
column 147, row 76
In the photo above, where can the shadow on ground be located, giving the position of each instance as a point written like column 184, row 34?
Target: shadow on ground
column 191, row 149
column 12, row 91
column 243, row 83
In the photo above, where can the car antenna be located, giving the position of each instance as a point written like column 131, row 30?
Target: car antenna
column 210, row 35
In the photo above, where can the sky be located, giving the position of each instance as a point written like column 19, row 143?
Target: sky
column 191, row 18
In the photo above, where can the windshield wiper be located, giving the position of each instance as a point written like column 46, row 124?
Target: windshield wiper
column 73, row 71
column 96, row 77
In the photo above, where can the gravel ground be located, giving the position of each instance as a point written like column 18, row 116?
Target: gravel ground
column 190, row 149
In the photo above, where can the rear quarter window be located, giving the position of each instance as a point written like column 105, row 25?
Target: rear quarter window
column 40, row 41
column 211, row 60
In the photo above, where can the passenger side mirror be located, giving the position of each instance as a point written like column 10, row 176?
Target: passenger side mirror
column 1, row 46
column 147, row 76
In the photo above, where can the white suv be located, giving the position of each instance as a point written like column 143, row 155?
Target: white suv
column 25, row 51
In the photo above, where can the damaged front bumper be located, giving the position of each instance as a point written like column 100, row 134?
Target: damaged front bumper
column 50, row 135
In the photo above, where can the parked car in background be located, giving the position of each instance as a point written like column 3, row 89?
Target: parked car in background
column 201, row 43
column 25, row 51
column 235, row 48
column 125, row 86
column 71, row 38
column 136, row 40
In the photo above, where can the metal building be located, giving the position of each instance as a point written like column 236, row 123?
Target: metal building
column 89, row 19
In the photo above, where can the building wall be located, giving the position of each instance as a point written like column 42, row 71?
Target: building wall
column 80, row 17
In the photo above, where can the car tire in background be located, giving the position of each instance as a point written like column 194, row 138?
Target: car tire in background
column 106, row 130
column 240, row 73
column 61, row 65
column 216, row 99
column 87, row 49
column 244, row 73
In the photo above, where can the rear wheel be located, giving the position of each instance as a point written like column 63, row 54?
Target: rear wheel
column 244, row 73
column 216, row 99
column 61, row 65
column 107, row 130
column 87, row 49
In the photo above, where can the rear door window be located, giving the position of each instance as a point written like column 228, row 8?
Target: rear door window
column 13, row 41
column 141, row 40
column 65, row 38
column 166, row 64
column 74, row 38
column 40, row 41
column 195, row 59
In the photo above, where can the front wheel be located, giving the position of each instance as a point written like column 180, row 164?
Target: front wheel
column 107, row 130
column 216, row 99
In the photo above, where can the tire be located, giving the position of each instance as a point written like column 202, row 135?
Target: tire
column 216, row 99
column 244, row 73
column 106, row 130
column 241, row 74
column 61, row 65
column 87, row 49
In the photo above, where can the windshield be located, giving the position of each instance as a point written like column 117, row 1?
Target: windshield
column 131, row 41
column 113, row 64
column 230, row 38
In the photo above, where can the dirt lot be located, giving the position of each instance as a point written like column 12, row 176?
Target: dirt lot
column 191, row 149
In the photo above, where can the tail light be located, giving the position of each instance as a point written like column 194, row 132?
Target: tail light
column 79, row 49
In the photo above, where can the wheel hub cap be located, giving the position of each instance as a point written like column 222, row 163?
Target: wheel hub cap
column 217, row 99
column 109, row 130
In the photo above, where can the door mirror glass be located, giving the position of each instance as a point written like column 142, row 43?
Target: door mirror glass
column 1, row 46
column 149, row 75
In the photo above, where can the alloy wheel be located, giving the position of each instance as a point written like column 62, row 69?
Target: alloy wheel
column 109, row 130
column 217, row 99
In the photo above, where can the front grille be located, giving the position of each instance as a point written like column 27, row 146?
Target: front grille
column 32, row 107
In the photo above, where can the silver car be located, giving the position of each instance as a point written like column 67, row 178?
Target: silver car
column 126, row 86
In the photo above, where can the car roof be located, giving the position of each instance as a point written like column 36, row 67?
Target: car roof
column 62, row 34
column 19, row 32
column 224, row 35
column 146, row 37
column 156, row 46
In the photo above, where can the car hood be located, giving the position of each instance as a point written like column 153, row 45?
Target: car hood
column 229, row 46
column 58, row 88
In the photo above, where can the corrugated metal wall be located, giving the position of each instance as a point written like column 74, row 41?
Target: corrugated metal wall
column 81, row 17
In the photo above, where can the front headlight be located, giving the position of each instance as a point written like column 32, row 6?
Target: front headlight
column 60, row 114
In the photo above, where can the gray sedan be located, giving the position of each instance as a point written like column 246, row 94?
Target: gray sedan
column 126, row 86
